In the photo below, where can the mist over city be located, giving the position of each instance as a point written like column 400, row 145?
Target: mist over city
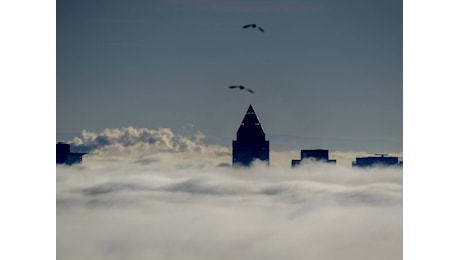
column 144, row 100
column 229, row 129
column 168, row 200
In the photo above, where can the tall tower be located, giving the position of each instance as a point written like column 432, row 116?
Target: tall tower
column 250, row 143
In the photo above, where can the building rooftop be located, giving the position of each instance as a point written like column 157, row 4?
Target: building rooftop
column 250, row 128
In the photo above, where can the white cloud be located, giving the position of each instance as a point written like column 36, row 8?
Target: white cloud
column 125, row 210
column 144, row 145
column 150, row 194
column 162, row 140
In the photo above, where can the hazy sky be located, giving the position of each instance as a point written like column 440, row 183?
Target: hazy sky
column 326, row 74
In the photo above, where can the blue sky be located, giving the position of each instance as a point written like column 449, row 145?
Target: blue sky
column 326, row 74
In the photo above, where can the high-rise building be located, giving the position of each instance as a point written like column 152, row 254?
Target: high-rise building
column 250, row 143
column 64, row 156
column 320, row 155
column 378, row 160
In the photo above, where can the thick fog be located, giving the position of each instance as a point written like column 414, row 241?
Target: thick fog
column 135, row 202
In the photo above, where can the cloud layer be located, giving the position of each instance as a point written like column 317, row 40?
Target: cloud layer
column 139, row 143
column 162, row 140
column 125, row 210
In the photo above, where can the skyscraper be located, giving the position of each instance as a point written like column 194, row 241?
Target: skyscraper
column 250, row 143
column 64, row 156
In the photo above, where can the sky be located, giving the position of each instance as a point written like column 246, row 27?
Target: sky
column 326, row 74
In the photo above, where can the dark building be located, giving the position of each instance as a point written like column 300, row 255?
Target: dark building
column 319, row 155
column 64, row 156
column 378, row 160
column 250, row 143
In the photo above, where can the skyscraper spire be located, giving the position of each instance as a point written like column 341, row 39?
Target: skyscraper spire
column 250, row 143
column 250, row 127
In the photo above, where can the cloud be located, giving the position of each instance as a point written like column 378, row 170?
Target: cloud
column 137, row 144
column 124, row 210
column 163, row 140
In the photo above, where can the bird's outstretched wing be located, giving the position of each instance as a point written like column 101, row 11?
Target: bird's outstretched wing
column 237, row 86
column 249, row 25
column 260, row 29
column 242, row 87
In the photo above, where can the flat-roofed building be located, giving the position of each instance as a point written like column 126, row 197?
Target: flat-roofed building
column 378, row 160
column 318, row 155
column 64, row 156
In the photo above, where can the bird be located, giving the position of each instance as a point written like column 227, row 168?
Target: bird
column 242, row 87
column 253, row 26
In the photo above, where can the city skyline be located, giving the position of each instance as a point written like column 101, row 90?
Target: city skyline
column 157, row 90
column 77, row 193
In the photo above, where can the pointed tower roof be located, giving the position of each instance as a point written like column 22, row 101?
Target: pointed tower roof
column 250, row 128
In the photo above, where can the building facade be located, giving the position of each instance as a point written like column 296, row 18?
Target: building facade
column 250, row 143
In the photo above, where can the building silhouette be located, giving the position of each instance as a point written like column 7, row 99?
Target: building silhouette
column 378, row 160
column 320, row 155
column 64, row 156
column 250, row 143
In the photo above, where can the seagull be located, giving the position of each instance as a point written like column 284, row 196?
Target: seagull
column 242, row 87
column 253, row 26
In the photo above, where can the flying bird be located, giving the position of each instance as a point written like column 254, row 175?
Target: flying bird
column 242, row 87
column 253, row 26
